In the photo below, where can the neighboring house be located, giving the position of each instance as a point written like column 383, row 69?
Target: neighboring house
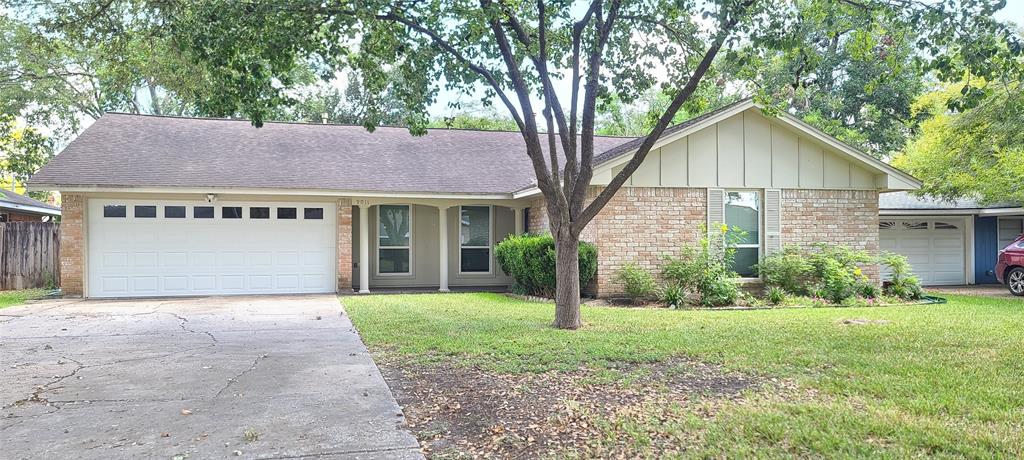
column 948, row 243
column 20, row 208
column 178, row 206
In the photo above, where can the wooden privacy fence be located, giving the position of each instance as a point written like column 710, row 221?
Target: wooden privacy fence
column 29, row 255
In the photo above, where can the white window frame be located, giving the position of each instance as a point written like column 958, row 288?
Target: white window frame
column 490, row 240
column 407, row 247
column 760, row 225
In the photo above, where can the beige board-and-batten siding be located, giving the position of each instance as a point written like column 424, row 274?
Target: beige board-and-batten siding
column 747, row 150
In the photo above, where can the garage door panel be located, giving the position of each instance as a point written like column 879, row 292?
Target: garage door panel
column 158, row 256
column 947, row 243
column 933, row 247
column 204, row 283
column 175, row 283
column 144, row 259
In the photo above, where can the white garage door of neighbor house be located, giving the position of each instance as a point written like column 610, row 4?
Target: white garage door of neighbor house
column 934, row 247
column 140, row 248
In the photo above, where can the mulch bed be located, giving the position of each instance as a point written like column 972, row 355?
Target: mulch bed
column 459, row 411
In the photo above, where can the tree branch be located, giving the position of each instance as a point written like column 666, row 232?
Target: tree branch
column 666, row 118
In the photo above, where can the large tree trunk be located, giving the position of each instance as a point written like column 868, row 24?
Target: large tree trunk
column 567, row 280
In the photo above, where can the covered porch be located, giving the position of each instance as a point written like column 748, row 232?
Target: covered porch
column 401, row 244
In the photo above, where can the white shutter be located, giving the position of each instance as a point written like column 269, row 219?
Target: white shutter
column 772, row 220
column 716, row 208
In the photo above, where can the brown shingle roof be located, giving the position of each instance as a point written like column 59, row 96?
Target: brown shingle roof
column 121, row 150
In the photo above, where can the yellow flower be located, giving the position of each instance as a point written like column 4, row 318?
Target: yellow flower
column 724, row 228
column 856, row 271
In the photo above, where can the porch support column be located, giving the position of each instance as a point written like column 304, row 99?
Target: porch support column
column 442, row 232
column 364, row 248
column 519, row 221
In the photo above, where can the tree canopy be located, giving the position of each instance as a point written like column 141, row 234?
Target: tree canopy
column 975, row 153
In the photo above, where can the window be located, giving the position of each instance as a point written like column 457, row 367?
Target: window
column 145, row 211
column 915, row 225
column 115, row 210
column 743, row 213
column 285, row 213
column 475, row 239
column 945, row 226
column 231, row 212
column 259, row 213
column 886, row 225
column 393, row 239
column 313, row 213
column 174, row 212
column 202, row 212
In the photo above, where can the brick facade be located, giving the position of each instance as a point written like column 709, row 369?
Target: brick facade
column 642, row 224
column 19, row 217
column 344, row 245
column 639, row 224
column 537, row 218
column 72, row 244
column 844, row 217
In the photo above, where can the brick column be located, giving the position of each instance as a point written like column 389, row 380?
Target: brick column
column 72, row 244
column 344, row 248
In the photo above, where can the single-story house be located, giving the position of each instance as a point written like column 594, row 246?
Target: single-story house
column 160, row 206
column 15, row 207
column 948, row 242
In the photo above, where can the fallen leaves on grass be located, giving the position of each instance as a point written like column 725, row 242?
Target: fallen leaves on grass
column 460, row 411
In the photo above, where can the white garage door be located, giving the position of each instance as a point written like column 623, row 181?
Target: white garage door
column 934, row 247
column 168, row 248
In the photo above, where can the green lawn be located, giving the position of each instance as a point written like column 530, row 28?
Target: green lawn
column 12, row 298
column 942, row 380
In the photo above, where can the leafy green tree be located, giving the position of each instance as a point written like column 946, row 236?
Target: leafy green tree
column 853, row 76
column 23, row 150
column 616, row 118
column 974, row 153
column 519, row 53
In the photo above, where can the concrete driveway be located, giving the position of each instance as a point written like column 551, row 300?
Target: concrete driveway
column 253, row 377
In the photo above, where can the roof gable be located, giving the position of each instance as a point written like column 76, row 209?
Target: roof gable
column 738, row 146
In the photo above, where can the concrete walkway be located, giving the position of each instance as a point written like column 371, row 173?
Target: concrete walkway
column 248, row 377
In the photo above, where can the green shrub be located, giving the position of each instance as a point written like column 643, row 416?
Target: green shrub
column 868, row 290
column 705, row 270
column 637, row 281
column 788, row 269
column 776, row 295
column 673, row 295
column 828, row 272
column 530, row 261
column 902, row 284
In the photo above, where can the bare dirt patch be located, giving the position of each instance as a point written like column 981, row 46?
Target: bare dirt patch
column 458, row 411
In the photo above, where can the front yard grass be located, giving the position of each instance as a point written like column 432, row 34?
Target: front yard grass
column 938, row 380
column 12, row 298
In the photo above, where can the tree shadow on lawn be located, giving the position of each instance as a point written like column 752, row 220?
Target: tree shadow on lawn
column 465, row 411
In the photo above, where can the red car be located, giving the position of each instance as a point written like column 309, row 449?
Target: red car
column 1010, row 266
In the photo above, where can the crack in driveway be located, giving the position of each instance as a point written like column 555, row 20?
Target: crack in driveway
column 298, row 374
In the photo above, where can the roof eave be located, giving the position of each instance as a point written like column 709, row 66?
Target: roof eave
column 29, row 209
